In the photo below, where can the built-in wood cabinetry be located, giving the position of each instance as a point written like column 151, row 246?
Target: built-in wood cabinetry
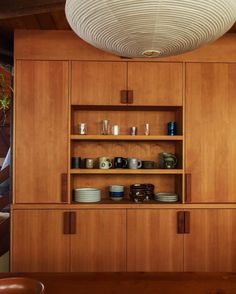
column 105, row 83
column 41, row 130
column 210, row 131
column 210, row 244
column 38, row 241
column 56, row 88
column 153, row 242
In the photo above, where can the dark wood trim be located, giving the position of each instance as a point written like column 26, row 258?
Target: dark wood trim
column 72, row 222
column 130, row 97
column 123, row 96
column 180, row 222
column 64, row 187
column 188, row 188
column 187, row 222
column 66, row 223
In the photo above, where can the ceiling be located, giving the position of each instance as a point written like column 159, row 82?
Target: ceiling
column 36, row 14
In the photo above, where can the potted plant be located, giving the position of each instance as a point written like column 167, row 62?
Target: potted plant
column 5, row 98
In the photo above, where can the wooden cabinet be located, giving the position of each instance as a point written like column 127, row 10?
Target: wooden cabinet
column 41, row 130
column 153, row 243
column 38, row 241
column 145, row 83
column 156, row 83
column 62, row 241
column 99, row 242
column 210, row 132
column 210, row 244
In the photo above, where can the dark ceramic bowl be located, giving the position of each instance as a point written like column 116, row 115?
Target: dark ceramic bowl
column 20, row 285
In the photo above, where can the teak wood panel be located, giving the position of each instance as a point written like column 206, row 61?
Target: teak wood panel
column 99, row 243
column 210, row 246
column 38, row 242
column 155, row 83
column 153, row 244
column 210, row 131
column 41, row 130
column 97, row 83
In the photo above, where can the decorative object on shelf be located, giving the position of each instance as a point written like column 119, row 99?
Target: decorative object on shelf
column 87, row 195
column 172, row 128
column 116, row 192
column 82, row 128
column 150, row 28
column 105, row 126
column 115, row 130
column 120, row 162
column 76, row 162
column 166, row 197
column 134, row 163
column 146, row 130
column 141, row 192
column 133, row 131
column 89, row 162
column 146, row 164
column 168, row 160
column 105, row 162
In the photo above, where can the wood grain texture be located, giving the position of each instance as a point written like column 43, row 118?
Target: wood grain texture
column 153, row 243
column 155, row 83
column 210, row 246
column 38, row 242
column 99, row 244
column 41, row 130
column 97, row 82
column 48, row 45
column 210, row 132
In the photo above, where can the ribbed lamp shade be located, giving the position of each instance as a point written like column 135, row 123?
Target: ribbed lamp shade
column 150, row 28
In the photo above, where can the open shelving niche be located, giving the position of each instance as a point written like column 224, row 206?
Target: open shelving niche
column 94, row 145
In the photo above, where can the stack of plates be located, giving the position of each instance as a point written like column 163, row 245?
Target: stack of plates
column 87, row 195
column 166, row 197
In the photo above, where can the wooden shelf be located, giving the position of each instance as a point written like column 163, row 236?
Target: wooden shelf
column 127, row 171
column 125, row 138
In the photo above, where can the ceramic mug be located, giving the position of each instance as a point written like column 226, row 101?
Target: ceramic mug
column 134, row 163
column 89, row 162
column 105, row 164
column 120, row 162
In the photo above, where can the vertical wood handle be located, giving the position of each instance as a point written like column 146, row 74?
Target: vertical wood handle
column 130, row 97
column 180, row 222
column 64, row 187
column 188, row 188
column 72, row 222
column 66, row 223
column 123, row 96
column 187, row 222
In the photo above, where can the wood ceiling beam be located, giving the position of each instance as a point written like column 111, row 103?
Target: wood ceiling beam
column 17, row 8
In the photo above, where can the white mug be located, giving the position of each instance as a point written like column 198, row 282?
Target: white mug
column 105, row 164
column 134, row 163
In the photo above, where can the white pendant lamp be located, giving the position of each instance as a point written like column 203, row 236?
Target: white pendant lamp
column 150, row 28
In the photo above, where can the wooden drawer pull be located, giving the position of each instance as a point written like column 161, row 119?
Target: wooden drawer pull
column 66, row 223
column 123, row 96
column 180, row 222
column 72, row 222
column 187, row 222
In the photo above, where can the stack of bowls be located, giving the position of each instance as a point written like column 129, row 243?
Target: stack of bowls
column 116, row 192
column 141, row 192
column 87, row 195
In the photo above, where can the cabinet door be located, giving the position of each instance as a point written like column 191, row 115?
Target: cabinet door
column 155, row 83
column 38, row 242
column 210, row 245
column 210, row 131
column 98, row 83
column 41, row 128
column 152, row 241
column 99, row 244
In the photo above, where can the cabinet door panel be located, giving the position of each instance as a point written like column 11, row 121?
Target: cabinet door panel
column 38, row 242
column 210, row 131
column 210, row 246
column 41, row 128
column 98, row 83
column 99, row 244
column 155, row 83
column 152, row 241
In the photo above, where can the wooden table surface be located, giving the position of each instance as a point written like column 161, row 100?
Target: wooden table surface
column 146, row 283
